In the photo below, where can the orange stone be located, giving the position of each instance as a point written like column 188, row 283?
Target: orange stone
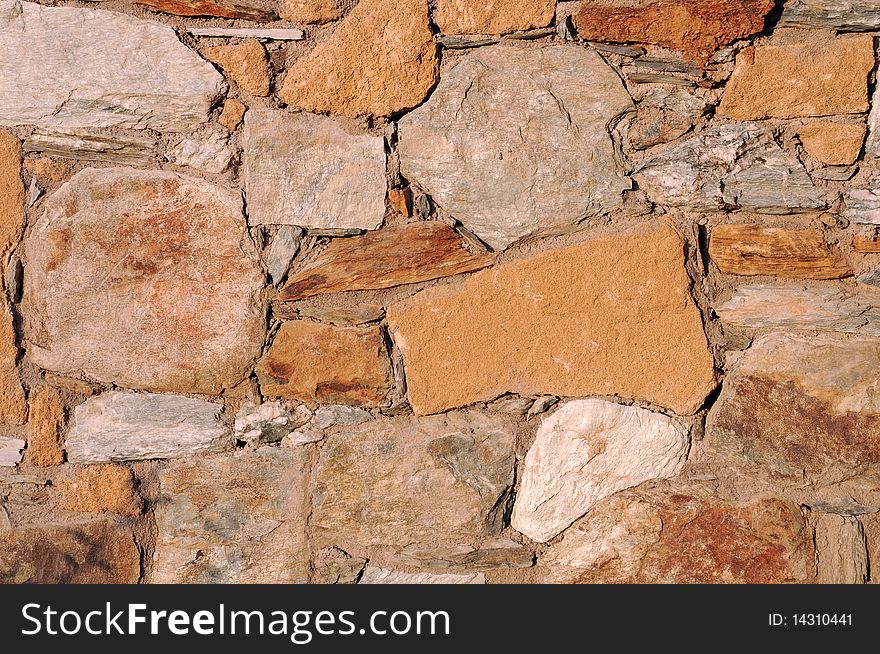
column 866, row 245
column 54, row 170
column 232, row 114
column 492, row 16
column 401, row 200
column 245, row 64
column 99, row 489
column 835, row 144
column 45, row 422
column 312, row 12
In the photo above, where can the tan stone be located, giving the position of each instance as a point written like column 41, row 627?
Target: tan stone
column 45, row 422
column 312, row 12
column 381, row 60
column 13, row 405
column 99, row 489
column 71, row 384
column 492, row 16
column 232, row 114
column 612, row 316
column 313, row 362
column 866, row 245
column 54, row 170
column 841, row 550
column 800, row 80
column 836, row 144
column 245, row 64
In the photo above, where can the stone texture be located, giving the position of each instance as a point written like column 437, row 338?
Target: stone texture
column 13, row 405
column 586, row 451
column 142, row 279
column 245, row 63
column 339, row 414
column 836, row 144
column 45, row 422
column 117, row 426
column 312, row 11
column 380, row 60
column 492, row 17
column 49, row 168
column 756, row 250
column 375, row 575
column 234, row 519
column 681, row 534
column 842, row 550
column 269, row 422
column 800, row 80
column 99, row 489
column 357, row 315
column 311, row 171
column 800, row 405
column 88, row 145
column 404, row 481
column 697, row 28
column 10, row 451
column 219, row 9
column 840, row 15
column 232, row 114
column 389, row 257
column 211, row 153
column 863, row 206
column 544, row 114
column 262, row 33
column 492, row 554
column 312, row 362
column 653, row 126
column 612, row 316
column 164, row 85
column 285, row 245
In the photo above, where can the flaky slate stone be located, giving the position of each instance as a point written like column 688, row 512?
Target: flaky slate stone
column 840, row 15
column 244, row 10
column 88, row 145
column 146, row 279
column 234, row 519
column 611, row 316
column 586, row 451
column 376, row 575
column 117, row 426
column 285, row 244
column 544, row 114
column 492, row 17
column 863, row 206
column 307, row 170
column 164, row 85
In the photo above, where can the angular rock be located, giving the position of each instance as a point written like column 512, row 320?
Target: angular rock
column 614, row 315
column 89, row 146
column 375, row 575
column 143, row 279
column 45, row 422
column 245, row 63
column 863, row 206
column 380, row 60
column 681, row 534
column 312, row 12
column 871, row 277
column 285, row 245
column 263, row 34
column 840, row 15
column 836, row 144
column 404, row 481
column 48, row 168
column 234, row 519
column 654, row 126
column 310, row 171
column 269, row 422
column 544, row 113
column 99, row 552
column 389, row 257
column 586, row 451
column 330, row 416
column 843, row 506
column 755, row 250
column 164, row 85
column 10, row 451
column 842, row 550
column 232, row 114
column 117, row 426
column 220, row 8
column 312, row 362
column 99, row 489
column 498, row 17
column 210, row 153
column 697, row 28
column 800, row 80
column 13, row 405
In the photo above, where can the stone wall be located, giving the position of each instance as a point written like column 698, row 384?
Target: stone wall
column 458, row 291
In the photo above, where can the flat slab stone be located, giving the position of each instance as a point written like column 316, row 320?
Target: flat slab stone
column 375, row 575
column 840, row 15
column 496, row 17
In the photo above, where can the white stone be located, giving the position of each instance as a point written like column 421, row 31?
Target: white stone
column 68, row 67
column 10, row 451
column 375, row 575
column 269, row 422
column 250, row 33
column 285, row 245
column 211, row 153
column 117, row 426
column 586, row 451
column 863, row 206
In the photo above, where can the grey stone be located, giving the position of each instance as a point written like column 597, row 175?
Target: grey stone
column 339, row 414
column 10, row 451
column 60, row 67
column 516, row 141
column 283, row 248
column 492, row 553
column 91, row 146
column 542, row 404
column 211, row 153
column 871, row 278
column 117, row 426
column 844, row 506
column 840, row 15
column 269, row 422
column 376, row 575
column 863, row 206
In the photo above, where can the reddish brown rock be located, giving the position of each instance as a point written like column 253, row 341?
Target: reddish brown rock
column 219, row 9
column 835, row 144
column 388, row 257
column 697, row 28
column 232, row 114
column 866, row 245
column 312, row 12
column 245, row 64
column 680, row 534
column 45, row 422
column 401, row 200
column 100, row 552
column 492, row 16
column 381, row 60
column 99, row 489
column 13, row 405
column 313, row 362
column 756, row 250
column 48, row 168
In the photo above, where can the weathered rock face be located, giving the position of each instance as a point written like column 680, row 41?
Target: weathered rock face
column 863, row 206
column 586, row 451
column 800, row 80
column 311, row 11
column 88, row 145
column 836, row 144
column 800, row 405
column 146, row 268
column 308, row 170
column 99, row 489
column 841, row 15
column 475, row 341
column 45, row 421
column 118, row 426
column 211, row 153
column 401, row 481
column 99, row 552
column 164, row 85
column 245, row 10
column 374, row 575
column 682, row 534
column 239, row 519
column 245, row 63
column 544, row 114
column 492, row 17
column 381, row 60
column 843, row 557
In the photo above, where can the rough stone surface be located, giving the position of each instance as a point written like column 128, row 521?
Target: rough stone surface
column 800, row 80
column 405, row 480
column 843, row 555
column 116, row 426
column 210, row 153
column 389, row 257
column 375, row 575
column 45, row 422
column 99, row 552
column 164, row 85
column 339, row 414
column 239, row 519
column 682, row 534
column 99, row 489
column 586, row 451
column 653, row 126
column 380, row 60
column 312, row 11
column 232, row 114
column 245, row 10
column 49, row 168
column 88, row 145
column 492, row 17
column 475, row 341
column 311, row 362
column 357, row 315
column 141, row 278
column 10, row 451
column 544, row 113
column 310, row 171
column 285, row 245
column 840, row 15
column 245, row 64
column 836, row 144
